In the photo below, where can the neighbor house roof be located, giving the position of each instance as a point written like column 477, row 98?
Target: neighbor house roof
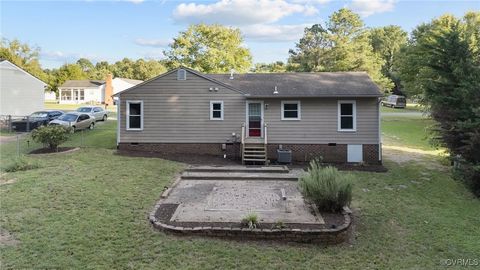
column 302, row 84
column 131, row 81
column 82, row 83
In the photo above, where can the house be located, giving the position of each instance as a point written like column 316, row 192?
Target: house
column 93, row 91
column 50, row 96
column 21, row 93
column 334, row 115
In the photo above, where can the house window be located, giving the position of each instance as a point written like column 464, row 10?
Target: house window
column 66, row 94
column 216, row 110
column 347, row 115
column 181, row 75
column 291, row 110
column 134, row 115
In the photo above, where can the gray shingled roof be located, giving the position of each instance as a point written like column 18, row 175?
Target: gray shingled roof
column 82, row 83
column 302, row 84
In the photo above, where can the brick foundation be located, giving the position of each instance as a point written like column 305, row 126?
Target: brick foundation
column 300, row 152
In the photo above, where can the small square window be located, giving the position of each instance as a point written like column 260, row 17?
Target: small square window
column 291, row 110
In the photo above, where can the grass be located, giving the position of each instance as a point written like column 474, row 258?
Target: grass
column 88, row 210
column 410, row 131
column 411, row 107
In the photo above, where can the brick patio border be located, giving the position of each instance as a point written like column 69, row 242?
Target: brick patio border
column 319, row 236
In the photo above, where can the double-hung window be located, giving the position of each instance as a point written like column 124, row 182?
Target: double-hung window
column 134, row 115
column 347, row 115
column 216, row 110
column 291, row 110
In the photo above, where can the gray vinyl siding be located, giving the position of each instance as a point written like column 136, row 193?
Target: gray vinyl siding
column 319, row 123
column 179, row 111
column 20, row 93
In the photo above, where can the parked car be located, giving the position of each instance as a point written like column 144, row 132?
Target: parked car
column 395, row 101
column 35, row 120
column 76, row 120
column 98, row 112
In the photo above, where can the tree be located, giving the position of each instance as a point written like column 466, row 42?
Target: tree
column 64, row 73
column 277, row 66
column 210, row 48
column 23, row 56
column 446, row 69
column 387, row 41
column 343, row 44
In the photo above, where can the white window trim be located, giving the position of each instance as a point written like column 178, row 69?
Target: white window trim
column 221, row 111
column 354, row 112
column 299, row 110
column 128, row 102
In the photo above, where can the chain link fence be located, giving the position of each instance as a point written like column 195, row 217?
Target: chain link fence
column 102, row 136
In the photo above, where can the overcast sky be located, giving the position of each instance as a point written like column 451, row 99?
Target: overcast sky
column 112, row 30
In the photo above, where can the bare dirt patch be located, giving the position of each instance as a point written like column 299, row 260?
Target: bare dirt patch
column 401, row 155
column 7, row 239
column 54, row 151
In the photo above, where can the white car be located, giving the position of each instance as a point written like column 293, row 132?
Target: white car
column 98, row 112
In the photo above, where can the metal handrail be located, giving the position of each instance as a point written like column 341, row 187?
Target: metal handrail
column 243, row 133
column 265, row 133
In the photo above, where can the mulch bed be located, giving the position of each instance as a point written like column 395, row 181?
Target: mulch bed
column 346, row 167
column 166, row 210
column 50, row 151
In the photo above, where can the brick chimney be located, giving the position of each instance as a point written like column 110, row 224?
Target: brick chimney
column 108, row 90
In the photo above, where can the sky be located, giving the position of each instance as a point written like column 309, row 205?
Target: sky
column 112, row 30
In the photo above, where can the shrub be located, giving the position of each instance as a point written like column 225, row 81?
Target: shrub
column 328, row 188
column 51, row 136
column 21, row 164
column 468, row 173
column 250, row 221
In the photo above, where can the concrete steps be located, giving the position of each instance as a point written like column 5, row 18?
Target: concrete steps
column 245, row 173
column 244, row 169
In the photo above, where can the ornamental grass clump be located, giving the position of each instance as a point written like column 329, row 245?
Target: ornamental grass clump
column 328, row 188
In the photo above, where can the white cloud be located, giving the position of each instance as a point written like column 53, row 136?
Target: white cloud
column 63, row 57
column 311, row 2
column 239, row 12
column 274, row 33
column 135, row 1
column 369, row 7
column 152, row 42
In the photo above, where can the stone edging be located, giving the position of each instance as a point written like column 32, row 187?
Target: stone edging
column 322, row 236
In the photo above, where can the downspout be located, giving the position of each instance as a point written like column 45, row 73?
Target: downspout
column 119, row 123
column 379, row 130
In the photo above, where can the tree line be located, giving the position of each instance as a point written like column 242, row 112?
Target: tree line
column 439, row 62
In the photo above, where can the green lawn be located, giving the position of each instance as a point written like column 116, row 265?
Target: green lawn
column 88, row 210
column 410, row 131
column 411, row 107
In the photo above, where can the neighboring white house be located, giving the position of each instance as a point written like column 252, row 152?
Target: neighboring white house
column 50, row 96
column 21, row 93
column 92, row 91
column 120, row 84
column 81, row 91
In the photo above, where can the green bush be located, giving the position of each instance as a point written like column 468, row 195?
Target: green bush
column 21, row 164
column 468, row 173
column 250, row 221
column 328, row 188
column 51, row 136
